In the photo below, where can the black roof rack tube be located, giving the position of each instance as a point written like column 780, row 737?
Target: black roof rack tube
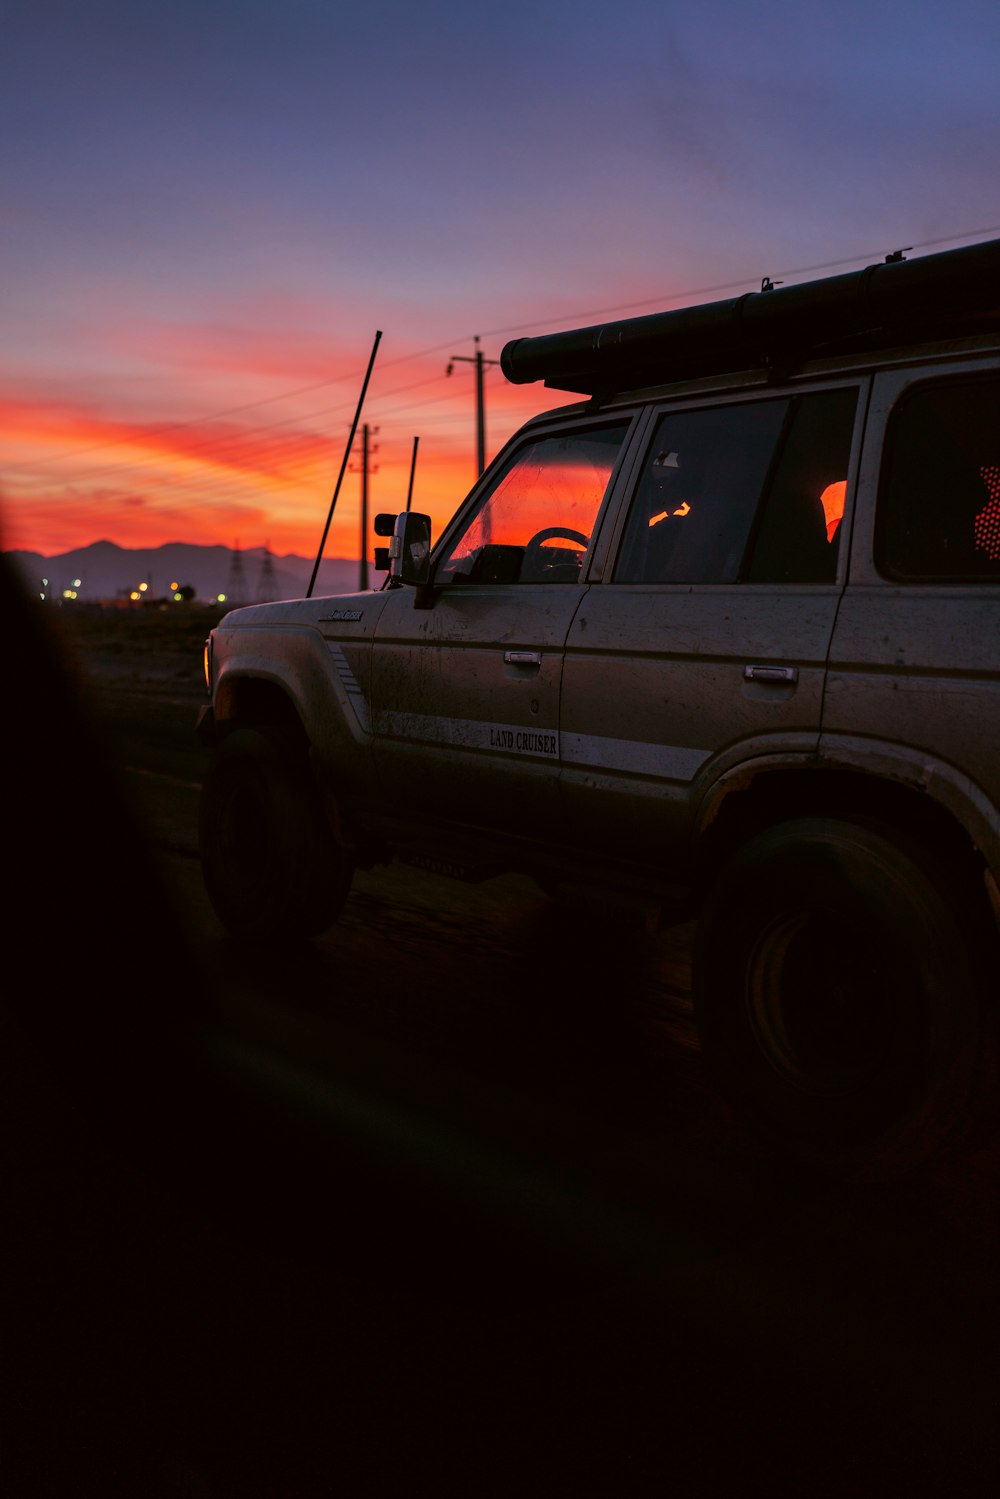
column 952, row 292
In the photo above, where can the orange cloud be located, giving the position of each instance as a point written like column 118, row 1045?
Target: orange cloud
column 75, row 477
column 258, row 471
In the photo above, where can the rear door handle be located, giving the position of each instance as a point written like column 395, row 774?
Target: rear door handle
column 522, row 658
column 770, row 674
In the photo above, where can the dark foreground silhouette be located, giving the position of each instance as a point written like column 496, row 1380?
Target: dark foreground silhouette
column 254, row 1256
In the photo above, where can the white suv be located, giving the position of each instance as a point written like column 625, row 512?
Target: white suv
column 729, row 630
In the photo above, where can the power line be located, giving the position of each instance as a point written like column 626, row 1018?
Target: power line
column 660, row 300
column 252, row 458
column 217, row 445
column 709, row 291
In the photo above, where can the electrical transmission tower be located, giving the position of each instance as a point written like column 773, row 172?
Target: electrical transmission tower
column 236, row 584
column 267, row 583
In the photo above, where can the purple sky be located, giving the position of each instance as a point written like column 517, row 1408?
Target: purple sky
column 209, row 208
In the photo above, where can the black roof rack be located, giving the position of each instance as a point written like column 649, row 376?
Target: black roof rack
column 949, row 294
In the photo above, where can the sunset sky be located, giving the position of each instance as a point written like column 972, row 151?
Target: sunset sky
column 209, row 208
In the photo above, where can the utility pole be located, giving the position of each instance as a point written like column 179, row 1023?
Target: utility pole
column 478, row 360
column 367, row 448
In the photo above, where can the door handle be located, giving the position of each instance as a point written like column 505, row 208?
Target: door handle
column 770, row 674
column 522, row 658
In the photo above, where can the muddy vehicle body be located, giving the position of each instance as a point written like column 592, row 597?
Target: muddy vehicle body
column 722, row 635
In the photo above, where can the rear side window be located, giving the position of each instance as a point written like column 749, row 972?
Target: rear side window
column 939, row 500
column 752, row 492
column 798, row 529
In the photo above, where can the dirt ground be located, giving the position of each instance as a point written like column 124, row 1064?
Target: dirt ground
column 386, row 1216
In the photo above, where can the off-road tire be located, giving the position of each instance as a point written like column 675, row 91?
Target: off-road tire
column 837, row 982
column 271, row 867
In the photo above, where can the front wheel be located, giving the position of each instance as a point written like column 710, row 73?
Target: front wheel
column 836, row 987
column 271, row 867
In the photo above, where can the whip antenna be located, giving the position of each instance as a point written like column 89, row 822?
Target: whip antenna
column 343, row 466
column 413, row 469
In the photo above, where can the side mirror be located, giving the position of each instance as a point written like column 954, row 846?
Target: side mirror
column 410, row 549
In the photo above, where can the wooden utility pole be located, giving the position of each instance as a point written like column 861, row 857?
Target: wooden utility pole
column 478, row 360
column 366, row 450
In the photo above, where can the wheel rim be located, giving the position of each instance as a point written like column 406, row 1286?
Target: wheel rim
column 822, row 1006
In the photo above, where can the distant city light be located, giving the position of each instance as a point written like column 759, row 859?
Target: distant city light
column 220, row 598
column 134, row 596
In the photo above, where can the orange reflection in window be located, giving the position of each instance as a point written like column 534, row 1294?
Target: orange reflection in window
column 534, row 497
column 986, row 526
column 832, row 500
column 684, row 509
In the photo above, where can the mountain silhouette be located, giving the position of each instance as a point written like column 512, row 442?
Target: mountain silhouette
column 254, row 575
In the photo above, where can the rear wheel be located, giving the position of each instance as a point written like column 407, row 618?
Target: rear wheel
column 836, row 984
column 270, row 863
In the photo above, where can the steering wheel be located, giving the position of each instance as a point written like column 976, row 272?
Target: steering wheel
column 532, row 561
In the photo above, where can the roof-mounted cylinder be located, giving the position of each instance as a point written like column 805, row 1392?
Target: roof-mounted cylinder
column 899, row 301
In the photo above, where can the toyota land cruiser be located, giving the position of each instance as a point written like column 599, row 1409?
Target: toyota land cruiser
column 730, row 626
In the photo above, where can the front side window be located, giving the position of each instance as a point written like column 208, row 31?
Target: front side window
column 751, row 492
column 534, row 524
column 939, row 501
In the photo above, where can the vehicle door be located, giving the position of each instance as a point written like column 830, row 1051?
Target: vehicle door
column 466, row 692
column 915, row 664
column 707, row 646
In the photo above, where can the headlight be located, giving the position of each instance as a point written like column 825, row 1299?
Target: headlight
column 208, row 664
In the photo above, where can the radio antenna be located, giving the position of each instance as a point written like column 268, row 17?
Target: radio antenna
column 413, row 469
column 343, row 466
